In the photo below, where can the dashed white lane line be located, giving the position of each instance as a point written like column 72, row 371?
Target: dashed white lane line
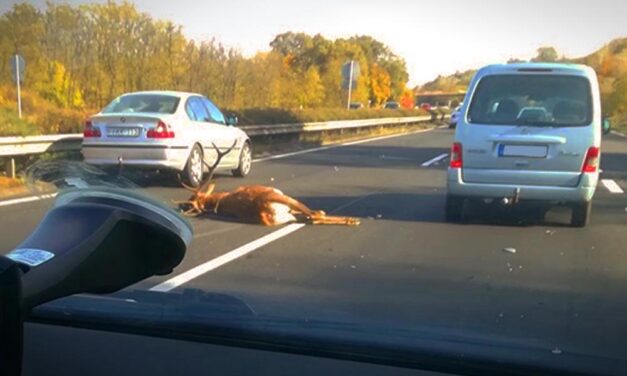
column 24, row 200
column 210, row 265
column 612, row 186
column 435, row 160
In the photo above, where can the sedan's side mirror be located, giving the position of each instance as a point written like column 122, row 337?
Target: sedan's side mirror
column 231, row 120
column 606, row 125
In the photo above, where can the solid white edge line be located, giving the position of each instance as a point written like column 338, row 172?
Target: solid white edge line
column 434, row 160
column 212, row 264
column 24, row 200
column 612, row 186
column 279, row 156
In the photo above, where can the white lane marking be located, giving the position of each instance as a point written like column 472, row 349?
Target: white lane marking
column 210, row 265
column 435, row 160
column 612, row 186
column 24, row 200
column 280, row 156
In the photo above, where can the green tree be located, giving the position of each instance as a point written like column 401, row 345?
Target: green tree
column 546, row 54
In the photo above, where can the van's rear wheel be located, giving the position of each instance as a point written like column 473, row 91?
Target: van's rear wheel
column 454, row 210
column 580, row 216
column 194, row 168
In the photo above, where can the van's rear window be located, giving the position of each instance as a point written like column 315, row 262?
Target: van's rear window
column 532, row 99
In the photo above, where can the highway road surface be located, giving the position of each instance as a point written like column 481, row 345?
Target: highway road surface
column 564, row 288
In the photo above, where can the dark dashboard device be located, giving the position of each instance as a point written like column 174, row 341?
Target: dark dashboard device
column 93, row 241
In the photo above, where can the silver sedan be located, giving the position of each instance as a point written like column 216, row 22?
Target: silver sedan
column 166, row 130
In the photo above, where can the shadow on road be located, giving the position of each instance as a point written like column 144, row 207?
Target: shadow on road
column 429, row 207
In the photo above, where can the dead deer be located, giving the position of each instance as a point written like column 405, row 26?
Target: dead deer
column 253, row 204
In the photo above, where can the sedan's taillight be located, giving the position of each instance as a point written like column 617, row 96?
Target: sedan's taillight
column 162, row 130
column 90, row 131
column 456, row 156
column 591, row 163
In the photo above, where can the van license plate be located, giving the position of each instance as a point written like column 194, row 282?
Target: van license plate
column 529, row 151
column 123, row 132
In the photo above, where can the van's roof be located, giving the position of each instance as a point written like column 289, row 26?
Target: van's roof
column 560, row 68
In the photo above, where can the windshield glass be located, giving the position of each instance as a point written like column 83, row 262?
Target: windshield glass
column 146, row 103
column 443, row 179
column 541, row 100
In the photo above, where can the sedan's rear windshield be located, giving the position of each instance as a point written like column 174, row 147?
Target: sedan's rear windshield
column 145, row 103
column 535, row 100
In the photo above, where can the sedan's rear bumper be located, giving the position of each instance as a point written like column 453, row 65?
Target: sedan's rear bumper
column 582, row 193
column 146, row 156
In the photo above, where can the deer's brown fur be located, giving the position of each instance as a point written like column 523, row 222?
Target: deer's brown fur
column 254, row 204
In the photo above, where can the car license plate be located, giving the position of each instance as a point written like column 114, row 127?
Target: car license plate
column 123, row 132
column 529, row 151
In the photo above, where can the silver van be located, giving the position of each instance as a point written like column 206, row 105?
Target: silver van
column 528, row 132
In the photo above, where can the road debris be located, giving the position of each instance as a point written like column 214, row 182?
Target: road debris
column 556, row 351
column 353, row 267
column 509, row 250
column 550, row 232
column 336, row 168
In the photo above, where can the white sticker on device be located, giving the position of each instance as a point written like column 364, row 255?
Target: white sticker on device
column 30, row 256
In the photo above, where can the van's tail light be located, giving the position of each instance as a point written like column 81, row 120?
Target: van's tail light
column 161, row 130
column 591, row 163
column 90, row 131
column 456, row 156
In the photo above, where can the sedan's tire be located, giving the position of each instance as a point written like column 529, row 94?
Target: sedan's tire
column 245, row 161
column 193, row 171
column 580, row 216
column 454, row 211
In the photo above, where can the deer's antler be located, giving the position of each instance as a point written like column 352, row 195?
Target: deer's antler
column 221, row 155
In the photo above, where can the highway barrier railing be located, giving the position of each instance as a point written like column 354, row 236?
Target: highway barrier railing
column 12, row 147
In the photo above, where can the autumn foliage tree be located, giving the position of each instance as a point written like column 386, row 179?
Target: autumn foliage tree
column 84, row 56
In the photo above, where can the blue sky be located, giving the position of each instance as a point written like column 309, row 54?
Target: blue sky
column 435, row 37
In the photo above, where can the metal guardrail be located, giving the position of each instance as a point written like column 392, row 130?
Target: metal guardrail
column 18, row 146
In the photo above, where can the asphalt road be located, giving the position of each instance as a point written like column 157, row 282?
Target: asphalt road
column 564, row 288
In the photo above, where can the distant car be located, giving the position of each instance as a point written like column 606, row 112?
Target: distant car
column 165, row 130
column 452, row 123
column 356, row 106
column 509, row 155
column 392, row 105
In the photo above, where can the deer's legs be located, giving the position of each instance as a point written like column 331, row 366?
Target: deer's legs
column 334, row 220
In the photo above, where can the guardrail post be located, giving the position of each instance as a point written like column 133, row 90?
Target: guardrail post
column 10, row 168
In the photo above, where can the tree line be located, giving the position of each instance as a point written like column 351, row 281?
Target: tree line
column 84, row 56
